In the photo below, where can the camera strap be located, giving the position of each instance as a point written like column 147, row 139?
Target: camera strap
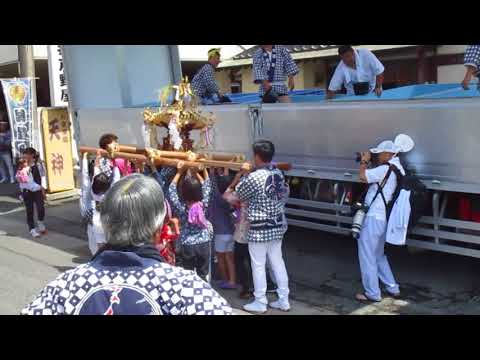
column 380, row 189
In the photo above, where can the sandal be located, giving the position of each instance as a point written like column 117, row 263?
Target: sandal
column 396, row 296
column 365, row 299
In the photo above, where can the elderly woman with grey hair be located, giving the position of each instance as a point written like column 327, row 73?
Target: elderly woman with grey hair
column 128, row 276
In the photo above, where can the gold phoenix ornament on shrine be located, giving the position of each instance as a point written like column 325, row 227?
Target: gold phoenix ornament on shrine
column 179, row 118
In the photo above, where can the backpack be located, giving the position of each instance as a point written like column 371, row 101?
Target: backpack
column 419, row 198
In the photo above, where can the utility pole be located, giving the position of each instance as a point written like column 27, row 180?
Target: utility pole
column 26, row 67
column 421, row 64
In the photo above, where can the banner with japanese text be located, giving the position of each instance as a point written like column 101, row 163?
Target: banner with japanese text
column 58, row 81
column 18, row 98
column 57, row 146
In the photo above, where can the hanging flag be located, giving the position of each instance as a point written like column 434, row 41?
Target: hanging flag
column 18, row 98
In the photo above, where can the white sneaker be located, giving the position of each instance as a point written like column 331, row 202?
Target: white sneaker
column 255, row 307
column 282, row 305
column 41, row 227
column 34, row 233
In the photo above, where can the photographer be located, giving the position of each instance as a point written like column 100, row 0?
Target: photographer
column 373, row 262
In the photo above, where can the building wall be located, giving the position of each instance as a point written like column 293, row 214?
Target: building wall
column 314, row 75
column 450, row 73
column 223, row 80
column 247, row 80
column 8, row 54
column 455, row 71
column 451, row 49
column 401, row 68
column 303, row 74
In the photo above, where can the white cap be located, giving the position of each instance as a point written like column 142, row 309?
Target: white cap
column 385, row 146
column 404, row 142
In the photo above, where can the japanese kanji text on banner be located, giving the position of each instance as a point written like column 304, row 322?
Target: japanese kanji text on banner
column 58, row 82
column 57, row 143
column 18, row 98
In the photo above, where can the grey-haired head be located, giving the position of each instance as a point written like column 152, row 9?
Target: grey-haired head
column 133, row 211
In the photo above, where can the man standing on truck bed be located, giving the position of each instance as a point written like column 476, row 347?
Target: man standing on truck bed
column 271, row 66
column 204, row 85
column 359, row 71
column 472, row 63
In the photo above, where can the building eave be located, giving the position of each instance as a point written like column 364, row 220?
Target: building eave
column 311, row 55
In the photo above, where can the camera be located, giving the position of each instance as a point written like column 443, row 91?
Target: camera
column 373, row 157
column 358, row 157
column 358, row 219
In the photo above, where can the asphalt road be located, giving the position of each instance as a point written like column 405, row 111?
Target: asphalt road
column 323, row 268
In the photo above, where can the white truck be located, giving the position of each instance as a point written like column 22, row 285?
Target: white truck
column 111, row 85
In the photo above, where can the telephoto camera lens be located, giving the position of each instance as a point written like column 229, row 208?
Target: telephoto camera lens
column 358, row 220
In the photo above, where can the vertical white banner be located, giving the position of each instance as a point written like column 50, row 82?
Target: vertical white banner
column 18, row 98
column 58, row 82
column 58, row 85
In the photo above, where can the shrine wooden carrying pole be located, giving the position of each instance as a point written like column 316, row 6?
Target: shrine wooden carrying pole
column 183, row 155
column 161, row 160
column 203, row 157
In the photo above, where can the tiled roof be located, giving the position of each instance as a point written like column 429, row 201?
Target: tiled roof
column 292, row 48
column 302, row 52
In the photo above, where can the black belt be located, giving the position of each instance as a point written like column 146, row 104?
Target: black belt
column 265, row 227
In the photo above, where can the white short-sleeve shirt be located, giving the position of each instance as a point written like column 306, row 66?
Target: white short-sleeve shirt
column 375, row 176
column 368, row 68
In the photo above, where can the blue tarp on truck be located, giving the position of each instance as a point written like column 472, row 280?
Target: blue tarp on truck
column 412, row 92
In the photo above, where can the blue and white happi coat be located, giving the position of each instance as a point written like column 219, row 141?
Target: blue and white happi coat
column 265, row 192
column 191, row 234
column 472, row 57
column 125, row 283
column 203, row 83
column 276, row 71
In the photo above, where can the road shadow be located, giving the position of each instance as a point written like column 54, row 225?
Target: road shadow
column 62, row 269
column 81, row 259
column 10, row 190
column 324, row 272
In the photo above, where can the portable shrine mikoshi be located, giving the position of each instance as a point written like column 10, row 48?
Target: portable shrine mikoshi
column 179, row 117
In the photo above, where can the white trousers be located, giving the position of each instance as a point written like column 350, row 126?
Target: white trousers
column 373, row 261
column 96, row 238
column 259, row 252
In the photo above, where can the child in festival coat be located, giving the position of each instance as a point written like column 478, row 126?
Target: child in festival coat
column 108, row 142
column 165, row 242
column 223, row 227
column 197, row 232
column 93, row 192
column 243, row 267
column 32, row 181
